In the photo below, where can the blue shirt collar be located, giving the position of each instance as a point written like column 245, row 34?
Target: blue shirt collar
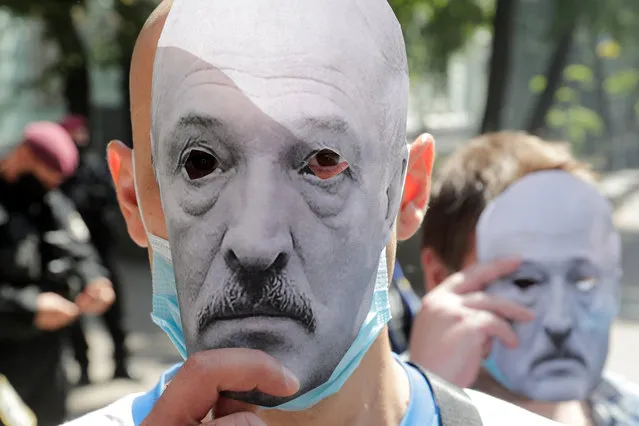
column 421, row 409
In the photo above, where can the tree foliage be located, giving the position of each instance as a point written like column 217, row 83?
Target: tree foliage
column 61, row 20
column 436, row 29
column 128, row 16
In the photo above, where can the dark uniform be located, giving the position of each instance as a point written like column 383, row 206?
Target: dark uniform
column 92, row 192
column 404, row 304
column 44, row 247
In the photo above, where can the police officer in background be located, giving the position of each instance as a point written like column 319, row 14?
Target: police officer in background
column 92, row 192
column 50, row 272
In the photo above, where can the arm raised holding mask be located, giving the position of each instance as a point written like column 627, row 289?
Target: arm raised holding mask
column 464, row 320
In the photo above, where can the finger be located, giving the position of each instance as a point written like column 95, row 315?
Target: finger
column 70, row 308
column 238, row 419
column 93, row 290
column 66, row 320
column 492, row 326
column 99, row 290
column 104, row 297
column 84, row 306
column 108, row 294
column 487, row 347
column 239, row 370
column 498, row 305
column 82, row 298
column 480, row 276
column 227, row 406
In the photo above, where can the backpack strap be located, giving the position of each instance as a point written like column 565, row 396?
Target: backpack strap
column 454, row 405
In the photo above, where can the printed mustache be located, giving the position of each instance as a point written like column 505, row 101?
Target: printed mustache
column 250, row 294
column 564, row 354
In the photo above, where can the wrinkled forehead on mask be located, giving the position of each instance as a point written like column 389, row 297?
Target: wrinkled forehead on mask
column 351, row 52
column 550, row 212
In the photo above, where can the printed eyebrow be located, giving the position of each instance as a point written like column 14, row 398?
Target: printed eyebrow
column 582, row 263
column 581, row 260
column 195, row 126
column 336, row 126
column 527, row 267
column 203, row 123
column 331, row 124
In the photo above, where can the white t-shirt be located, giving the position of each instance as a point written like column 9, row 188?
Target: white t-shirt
column 494, row 412
column 130, row 410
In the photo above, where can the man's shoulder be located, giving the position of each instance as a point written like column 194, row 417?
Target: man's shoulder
column 130, row 410
column 494, row 411
column 118, row 413
column 615, row 401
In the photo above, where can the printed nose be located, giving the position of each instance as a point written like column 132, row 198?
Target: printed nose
column 259, row 236
column 258, row 246
column 558, row 337
column 255, row 261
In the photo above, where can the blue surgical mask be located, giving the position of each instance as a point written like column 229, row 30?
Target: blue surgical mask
column 166, row 314
column 490, row 365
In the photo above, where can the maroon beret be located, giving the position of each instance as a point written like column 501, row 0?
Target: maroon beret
column 52, row 145
column 74, row 122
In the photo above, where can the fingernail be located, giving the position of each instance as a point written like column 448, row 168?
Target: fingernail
column 291, row 379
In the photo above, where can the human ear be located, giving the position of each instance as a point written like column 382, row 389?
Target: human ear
column 416, row 186
column 418, row 175
column 120, row 159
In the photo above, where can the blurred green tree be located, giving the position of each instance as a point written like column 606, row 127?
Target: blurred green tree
column 434, row 30
column 608, row 26
column 60, row 20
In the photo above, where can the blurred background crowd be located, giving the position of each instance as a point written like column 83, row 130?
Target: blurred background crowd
column 565, row 70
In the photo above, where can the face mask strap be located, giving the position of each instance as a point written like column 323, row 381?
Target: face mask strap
column 159, row 245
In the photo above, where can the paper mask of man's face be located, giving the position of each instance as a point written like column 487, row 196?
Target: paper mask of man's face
column 278, row 140
column 562, row 229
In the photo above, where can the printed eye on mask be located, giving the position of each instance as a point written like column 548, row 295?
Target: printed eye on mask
column 278, row 143
column 561, row 227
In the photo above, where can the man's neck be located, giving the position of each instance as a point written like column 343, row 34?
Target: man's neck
column 573, row 413
column 377, row 394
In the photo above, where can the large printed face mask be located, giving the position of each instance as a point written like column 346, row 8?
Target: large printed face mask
column 562, row 229
column 278, row 143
